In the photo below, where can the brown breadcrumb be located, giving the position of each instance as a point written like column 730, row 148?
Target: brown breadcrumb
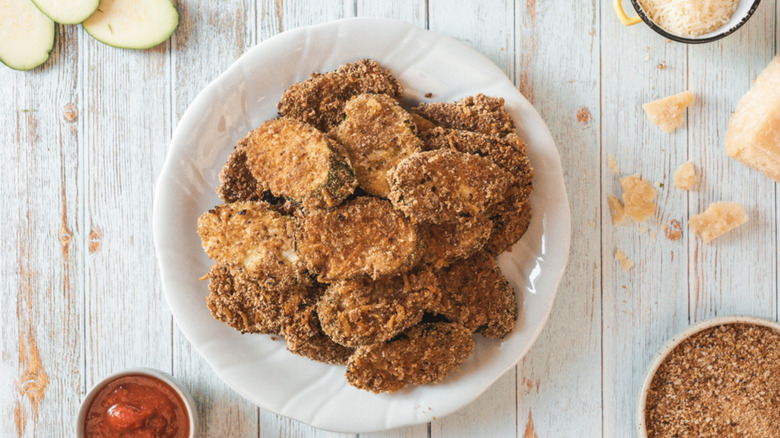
column 362, row 237
column 421, row 123
column 721, row 382
column 305, row 338
column 446, row 243
column 320, row 99
column 252, row 306
column 445, row 186
column 426, row 353
column 236, row 182
column 376, row 133
column 362, row 312
column 511, row 218
column 295, row 160
column 476, row 294
column 252, row 237
column 479, row 113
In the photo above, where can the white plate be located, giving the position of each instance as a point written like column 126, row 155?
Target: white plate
column 243, row 97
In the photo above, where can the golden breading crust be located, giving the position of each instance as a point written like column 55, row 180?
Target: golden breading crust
column 362, row 237
column 320, row 99
column 361, row 312
column 426, row 353
column 236, row 182
column 294, row 160
column 421, row 123
column 376, row 133
column 252, row 306
column 305, row 338
column 513, row 215
column 252, row 237
column 476, row 294
column 511, row 218
column 479, row 113
column 445, row 243
column 445, row 186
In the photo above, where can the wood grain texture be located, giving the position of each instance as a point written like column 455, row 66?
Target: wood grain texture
column 201, row 50
column 566, row 359
column 41, row 346
column 644, row 307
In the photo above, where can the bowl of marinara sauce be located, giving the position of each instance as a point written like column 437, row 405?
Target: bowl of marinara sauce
column 137, row 403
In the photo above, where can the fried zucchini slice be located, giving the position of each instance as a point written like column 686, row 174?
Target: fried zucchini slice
column 511, row 218
column 376, row 133
column 305, row 337
column 479, row 113
column 364, row 311
column 320, row 99
column 236, row 182
column 297, row 161
column 252, row 237
column 476, row 294
column 362, row 237
column 448, row 242
column 446, row 186
column 252, row 306
column 426, row 353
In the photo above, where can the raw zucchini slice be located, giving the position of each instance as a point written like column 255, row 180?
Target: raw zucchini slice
column 133, row 24
column 67, row 11
column 26, row 35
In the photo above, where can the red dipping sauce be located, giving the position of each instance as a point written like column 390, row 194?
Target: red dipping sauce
column 137, row 406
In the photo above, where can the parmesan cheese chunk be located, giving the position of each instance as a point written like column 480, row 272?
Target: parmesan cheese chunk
column 753, row 134
column 625, row 262
column 685, row 176
column 669, row 113
column 717, row 220
column 616, row 210
column 613, row 165
column 638, row 198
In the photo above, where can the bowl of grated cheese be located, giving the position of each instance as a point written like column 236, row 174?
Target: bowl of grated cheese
column 690, row 22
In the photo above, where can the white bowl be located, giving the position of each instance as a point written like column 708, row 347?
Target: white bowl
column 674, row 342
column 189, row 404
column 259, row 367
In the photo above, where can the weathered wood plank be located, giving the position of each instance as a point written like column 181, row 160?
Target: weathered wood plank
column 41, row 299
column 209, row 38
column 720, row 73
column 490, row 28
column 127, row 116
column 641, row 308
column 562, row 372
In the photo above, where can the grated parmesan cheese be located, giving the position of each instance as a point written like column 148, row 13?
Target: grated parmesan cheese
column 689, row 18
column 718, row 219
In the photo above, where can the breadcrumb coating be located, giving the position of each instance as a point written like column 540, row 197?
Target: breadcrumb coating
column 476, row 294
column 320, row 99
column 479, row 113
column 251, row 236
column 421, row 123
column 426, row 353
column 305, row 338
column 512, row 216
column 362, row 237
column 297, row 161
column 364, row 311
column 376, row 133
column 236, row 182
column 446, row 243
column 445, row 186
column 252, row 306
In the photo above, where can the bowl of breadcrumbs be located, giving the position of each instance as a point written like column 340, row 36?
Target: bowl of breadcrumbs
column 720, row 377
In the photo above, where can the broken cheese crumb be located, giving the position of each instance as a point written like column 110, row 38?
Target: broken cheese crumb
column 613, row 165
column 685, row 176
column 653, row 235
column 717, row 220
column 638, row 198
column 668, row 113
column 616, row 209
column 625, row 262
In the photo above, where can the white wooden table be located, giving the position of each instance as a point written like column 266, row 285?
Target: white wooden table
column 83, row 138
